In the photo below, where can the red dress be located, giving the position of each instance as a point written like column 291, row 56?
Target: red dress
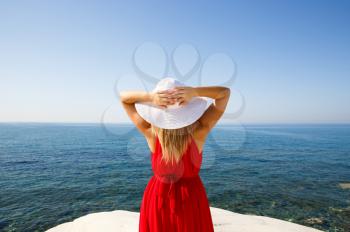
column 174, row 199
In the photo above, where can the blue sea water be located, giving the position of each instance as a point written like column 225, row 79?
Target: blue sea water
column 54, row 173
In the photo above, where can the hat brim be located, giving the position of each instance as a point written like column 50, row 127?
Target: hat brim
column 173, row 118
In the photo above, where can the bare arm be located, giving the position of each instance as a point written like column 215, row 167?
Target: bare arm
column 129, row 98
column 214, row 112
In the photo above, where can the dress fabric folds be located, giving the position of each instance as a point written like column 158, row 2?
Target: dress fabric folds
column 175, row 199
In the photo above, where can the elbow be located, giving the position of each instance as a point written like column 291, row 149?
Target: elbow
column 123, row 97
column 227, row 92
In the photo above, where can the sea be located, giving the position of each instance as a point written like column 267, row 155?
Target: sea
column 51, row 173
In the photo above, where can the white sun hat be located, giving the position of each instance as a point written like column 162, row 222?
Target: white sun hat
column 173, row 116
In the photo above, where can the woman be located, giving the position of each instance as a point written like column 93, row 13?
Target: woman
column 175, row 120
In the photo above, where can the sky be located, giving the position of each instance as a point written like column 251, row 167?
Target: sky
column 65, row 61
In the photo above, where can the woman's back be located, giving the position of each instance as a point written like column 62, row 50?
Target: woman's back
column 175, row 198
column 188, row 166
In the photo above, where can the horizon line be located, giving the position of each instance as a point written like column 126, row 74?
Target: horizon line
column 218, row 124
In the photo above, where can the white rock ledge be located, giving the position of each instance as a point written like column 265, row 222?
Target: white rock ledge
column 224, row 221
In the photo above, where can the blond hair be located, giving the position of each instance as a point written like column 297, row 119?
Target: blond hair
column 174, row 142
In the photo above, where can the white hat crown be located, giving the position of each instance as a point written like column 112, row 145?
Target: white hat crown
column 167, row 83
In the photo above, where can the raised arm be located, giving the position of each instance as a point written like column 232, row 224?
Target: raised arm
column 214, row 112
column 221, row 96
column 129, row 98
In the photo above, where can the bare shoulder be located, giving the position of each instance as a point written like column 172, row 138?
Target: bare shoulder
column 200, row 134
column 151, row 139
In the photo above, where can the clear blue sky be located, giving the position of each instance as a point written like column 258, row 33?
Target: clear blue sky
column 59, row 60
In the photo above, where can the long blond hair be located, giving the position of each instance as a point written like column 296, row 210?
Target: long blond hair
column 174, row 141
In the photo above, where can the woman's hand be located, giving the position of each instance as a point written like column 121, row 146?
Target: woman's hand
column 163, row 98
column 184, row 94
